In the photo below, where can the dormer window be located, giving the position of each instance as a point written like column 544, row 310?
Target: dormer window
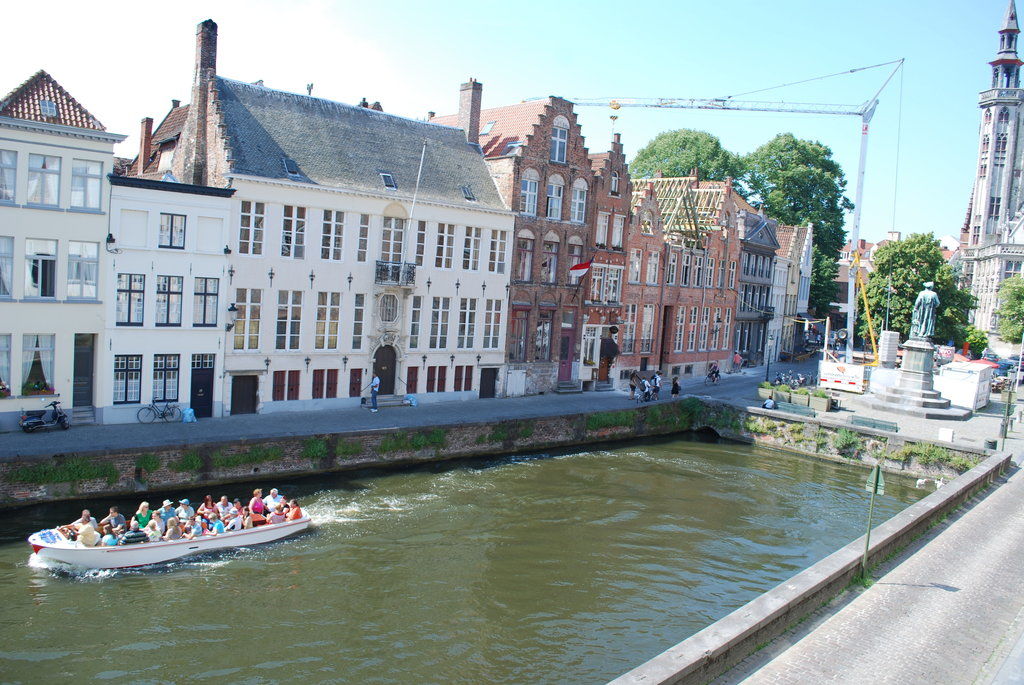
column 467, row 192
column 388, row 180
column 291, row 168
column 488, row 127
column 47, row 108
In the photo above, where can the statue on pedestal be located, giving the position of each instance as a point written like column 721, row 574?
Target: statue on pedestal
column 922, row 322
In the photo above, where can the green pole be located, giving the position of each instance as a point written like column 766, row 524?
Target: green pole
column 876, row 472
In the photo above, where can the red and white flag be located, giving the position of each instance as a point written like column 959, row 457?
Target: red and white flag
column 580, row 269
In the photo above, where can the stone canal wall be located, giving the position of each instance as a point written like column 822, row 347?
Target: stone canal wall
column 87, row 473
column 723, row 644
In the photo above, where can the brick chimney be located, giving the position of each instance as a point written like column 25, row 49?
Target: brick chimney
column 145, row 145
column 175, row 104
column 194, row 135
column 470, row 95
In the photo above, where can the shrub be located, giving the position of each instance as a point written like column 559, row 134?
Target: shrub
column 147, row 462
column 190, row 461
column 403, row 442
column 526, row 430
column 818, row 392
column 801, row 391
column 796, row 430
column 255, row 455
column 765, row 384
column 348, row 448
column 64, row 471
column 610, row 419
column 923, row 454
column 314, row 448
column 846, row 440
column 498, row 434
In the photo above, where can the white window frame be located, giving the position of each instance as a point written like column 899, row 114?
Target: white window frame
column 8, row 175
column 328, row 320
column 40, row 176
column 444, row 254
column 578, row 206
column 364, row 238
column 86, row 182
column 601, row 230
column 528, row 189
column 358, row 312
column 288, row 335
column 439, row 323
column 83, row 270
column 499, row 248
column 332, row 236
column 618, row 226
column 293, row 232
column 249, row 302
column 467, row 323
column 492, row 324
column 251, row 227
column 555, row 196
column 471, row 249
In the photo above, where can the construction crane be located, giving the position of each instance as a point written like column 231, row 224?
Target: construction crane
column 865, row 111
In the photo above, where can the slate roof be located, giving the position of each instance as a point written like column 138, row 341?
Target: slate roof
column 23, row 103
column 343, row 146
column 511, row 124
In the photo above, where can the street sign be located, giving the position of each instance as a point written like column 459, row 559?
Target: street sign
column 876, row 483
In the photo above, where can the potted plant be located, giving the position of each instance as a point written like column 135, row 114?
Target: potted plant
column 764, row 390
column 5, row 390
column 820, row 401
column 801, row 396
column 781, row 393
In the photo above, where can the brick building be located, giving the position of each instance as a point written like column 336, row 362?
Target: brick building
column 755, row 310
column 537, row 158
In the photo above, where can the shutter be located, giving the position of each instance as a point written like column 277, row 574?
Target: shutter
column 332, row 383
column 412, row 379
column 458, row 378
column 467, row 378
column 431, row 378
column 442, row 373
column 293, row 385
column 318, row 384
column 355, row 382
column 279, row 377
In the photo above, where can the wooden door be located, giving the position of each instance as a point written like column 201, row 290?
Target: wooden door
column 244, row 396
column 384, row 368
column 567, row 342
column 412, row 379
column 355, row 382
column 82, row 388
column 201, row 399
column 488, row 382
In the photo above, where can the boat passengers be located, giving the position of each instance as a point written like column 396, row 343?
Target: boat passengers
column 133, row 536
column 70, row 531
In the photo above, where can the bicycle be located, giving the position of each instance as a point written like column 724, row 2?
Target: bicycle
column 151, row 412
column 712, row 378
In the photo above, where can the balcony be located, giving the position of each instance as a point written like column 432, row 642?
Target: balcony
column 395, row 273
column 628, row 346
column 767, row 313
column 645, row 345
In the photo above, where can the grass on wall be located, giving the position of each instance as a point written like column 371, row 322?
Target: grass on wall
column 147, row 462
column 64, row 471
column 255, row 455
column 190, row 461
column 610, row 419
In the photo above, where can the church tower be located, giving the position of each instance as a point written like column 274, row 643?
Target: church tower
column 993, row 234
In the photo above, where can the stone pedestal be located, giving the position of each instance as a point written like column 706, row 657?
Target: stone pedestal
column 888, row 346
column 914, row 393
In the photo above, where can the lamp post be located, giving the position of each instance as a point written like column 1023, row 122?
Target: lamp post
column 767, row 354
column 714, row 336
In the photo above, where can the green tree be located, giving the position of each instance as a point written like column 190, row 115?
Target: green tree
column 909, row 263
column 824, row 270
column 976, row 339
column 677, row 153
column 1011, row 309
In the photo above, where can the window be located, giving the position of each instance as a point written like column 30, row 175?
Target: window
column 43, row 180
column 250, row 231
column 247, row 321
column 388, row 180
column 517, row 335
column 168, row 300
column 357, row 321
column 601, row 231
column 993, row 207
column 549, row 265
column 293, row 232
column 1000, row 144
column 691, row 339
column 463, row 378
column 496, row 258
column 597, row 283
column 5, row 366
column 559, row 139
column 437, row 380
column 575, row 257
column 615, row 183
column 680, row 332
column 542, row 337
column 127, row 378
column 635, row 259
column 983, row 171
column 704, row 319
column 524, row 265
column 8, row 174
column 289, row 318
column 414, row 323
column 165, row 378
column 204, row 307
column 85, row 183
column 83, row 269
column 387, row 308
column 578, row 206
column 492, row 324
column 40, row 267
column 392, row 240
column 721, row 273
column 698, row 271
column 726, row 327
column 710, row 272
column 984, row 144
column 439, row 323
column 471, row 249
column 528, row 192
column 445, row 246
column 364, row 237
column 286, row 385
column 467, row 192
column 172, row 231
column 1004, row 116
column 613, row 285
column 6, row 265
column 467, row 323
column 1012, row 268
column 617, row 227
column 629, row 330
column 646, row 224
column 673, row 263
column 647, row 330
column 325, row 383
column 684, row 273
column 130, row 299
column 717, row 328
column 331, row 241
column 421, row 242
column 653, row 262
column 328, row 316
column 732, row 274
column 556, row 190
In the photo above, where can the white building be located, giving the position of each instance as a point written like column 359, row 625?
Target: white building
column 166, row 302
column 781, row 316
column 54, row 158
column 361, row 242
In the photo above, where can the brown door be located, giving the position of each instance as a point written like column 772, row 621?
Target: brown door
column 244, row 394
column 384, row 368
column 565, row 349
column 603, row 368
column 355, row 382
column 81, row 394
column 412, row 378
column 488, row 381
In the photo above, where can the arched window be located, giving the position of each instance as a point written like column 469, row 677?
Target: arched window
column 578, row 208
column 1001, row 144
column 556, row 190
column 528, row 186
column 615, row 183
column 1004, row 116
column 559, row 139
column 575, row 256
column 524, row 256
column 984, row 144
column 988, row 116
column 549, row 263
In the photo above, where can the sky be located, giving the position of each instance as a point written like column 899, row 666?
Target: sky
column 127, row 60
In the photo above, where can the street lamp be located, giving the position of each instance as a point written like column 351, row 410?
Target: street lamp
column 714, row 336
column 767, row 354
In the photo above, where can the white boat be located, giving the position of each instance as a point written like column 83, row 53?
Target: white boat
column 51, row 544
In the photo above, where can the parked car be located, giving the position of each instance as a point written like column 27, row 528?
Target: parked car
column 990, row 356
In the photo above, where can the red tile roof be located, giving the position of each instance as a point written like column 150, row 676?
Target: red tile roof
column 23, row 103
column 511, row 124
column 164, row 139
column 785, row 235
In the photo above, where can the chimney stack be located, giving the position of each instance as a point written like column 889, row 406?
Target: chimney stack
column 194, row 134
column 206, row 46
column 145, row 145
column 470, row 95
column 175, row 104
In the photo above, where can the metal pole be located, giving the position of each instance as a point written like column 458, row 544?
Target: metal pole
column 888, row 297
column 851, row 285
column 767, row 356
column 876, row 473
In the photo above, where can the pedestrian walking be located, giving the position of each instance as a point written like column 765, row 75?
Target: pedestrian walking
column 737, row 361
column 675, row 387
column 656, row 385
column 634, row 383
column 374, row 388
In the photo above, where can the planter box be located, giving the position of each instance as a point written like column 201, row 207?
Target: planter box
column 820, row 403
column 781, row 395
column 800, row 398
column 764, row 393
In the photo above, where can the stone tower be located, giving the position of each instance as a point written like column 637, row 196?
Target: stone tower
column 993, row 234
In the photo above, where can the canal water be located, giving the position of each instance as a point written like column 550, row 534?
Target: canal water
column 564, row 569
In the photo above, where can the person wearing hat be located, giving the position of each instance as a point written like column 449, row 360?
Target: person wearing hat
column 165, row 512
column 185, row 512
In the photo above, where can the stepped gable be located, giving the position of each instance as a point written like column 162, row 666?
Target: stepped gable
column 344, row 146
column 786, row 235
column 24, row 103
column 504, row 126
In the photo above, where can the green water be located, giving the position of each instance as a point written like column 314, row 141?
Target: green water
column 568, row 569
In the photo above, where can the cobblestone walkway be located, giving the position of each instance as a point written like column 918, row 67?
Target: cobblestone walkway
column 948, row 614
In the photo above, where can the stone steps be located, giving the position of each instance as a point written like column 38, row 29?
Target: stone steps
column 569, row 387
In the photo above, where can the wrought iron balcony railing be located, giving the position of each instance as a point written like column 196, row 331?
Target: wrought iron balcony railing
column 395, row 273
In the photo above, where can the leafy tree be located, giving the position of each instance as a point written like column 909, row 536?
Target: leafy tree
column 677, row 153
column 824, row 270
column 799, row 182
column 976, row 340
column 1011, row 309
column 909, row 263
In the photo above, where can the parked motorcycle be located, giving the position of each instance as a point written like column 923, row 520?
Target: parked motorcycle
column 36, row 419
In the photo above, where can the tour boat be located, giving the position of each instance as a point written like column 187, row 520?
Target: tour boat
column 51, row 544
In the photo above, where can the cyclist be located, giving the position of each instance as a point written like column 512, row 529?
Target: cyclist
column 713, row 372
